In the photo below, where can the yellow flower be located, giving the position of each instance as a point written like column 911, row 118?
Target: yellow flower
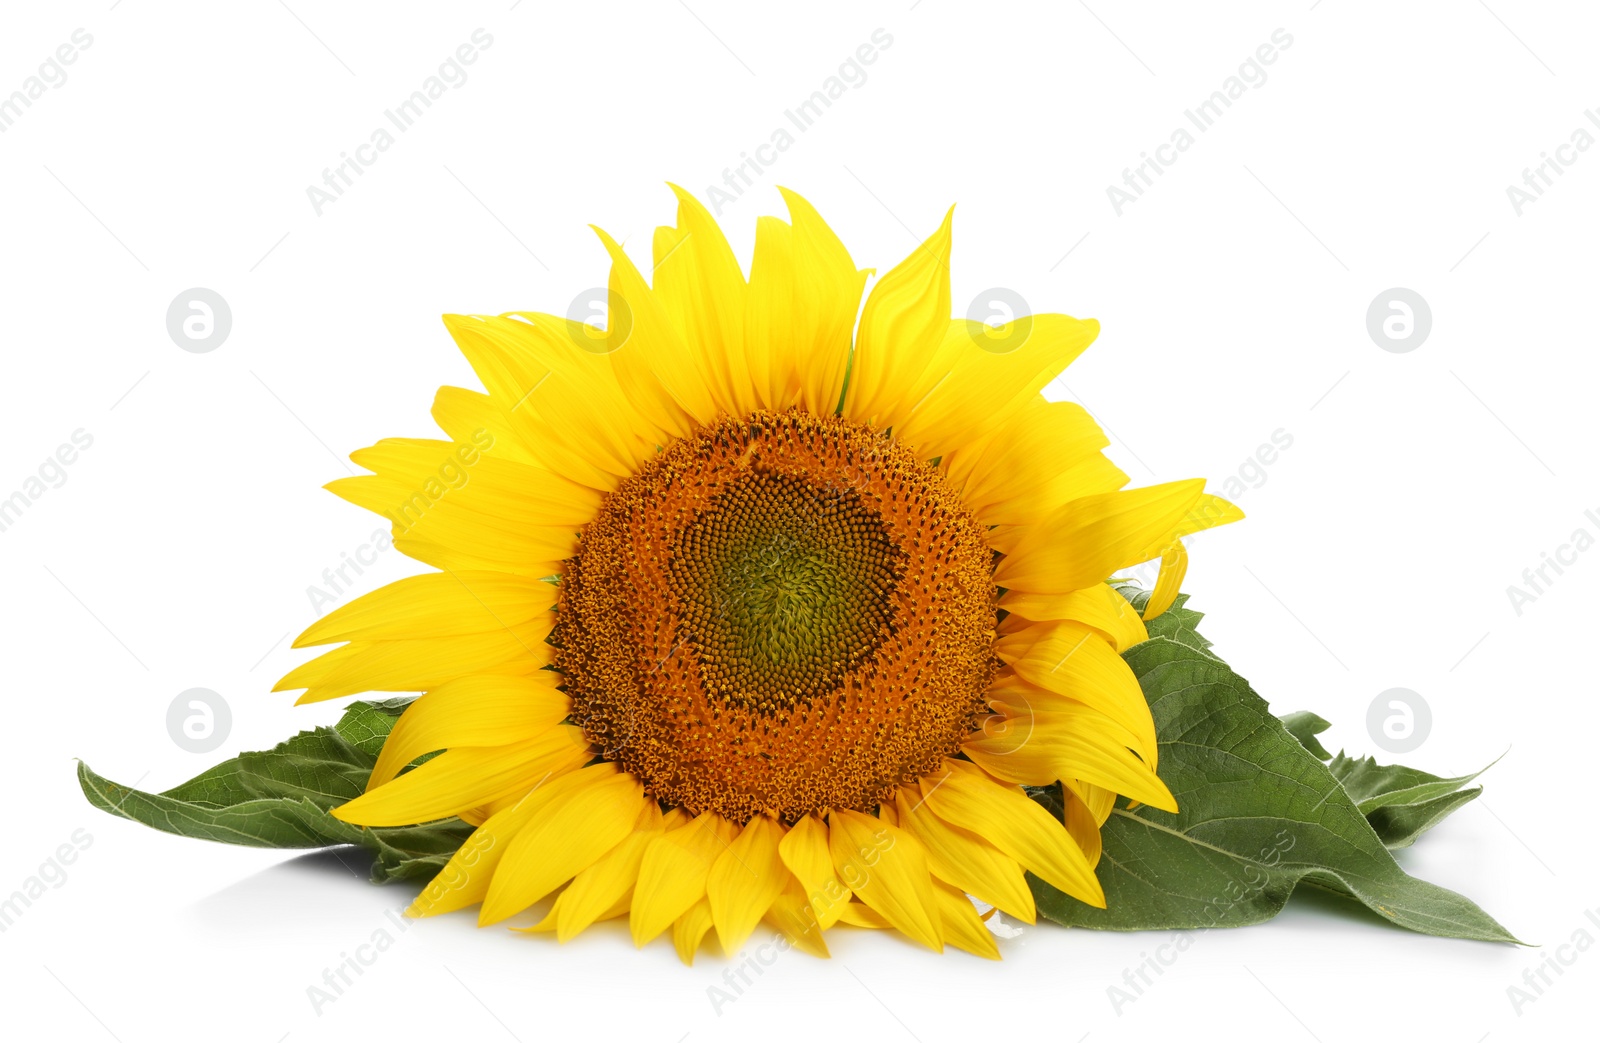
column 750, row 611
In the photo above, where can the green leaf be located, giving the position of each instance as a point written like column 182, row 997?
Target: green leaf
column 1305, row 726
column 1401, row 803
column 1260, row 815
column 280, row 798
column 366, row 724
column 1178, row 623
column 1375, row 785
column 1400, row 825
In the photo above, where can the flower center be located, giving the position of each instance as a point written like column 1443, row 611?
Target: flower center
column 781, row 613
column 785, row 587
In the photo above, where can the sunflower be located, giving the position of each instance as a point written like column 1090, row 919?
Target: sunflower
column 746, row 610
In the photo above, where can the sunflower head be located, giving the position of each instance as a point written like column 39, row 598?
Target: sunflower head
column 753, row 623
column 747, row 610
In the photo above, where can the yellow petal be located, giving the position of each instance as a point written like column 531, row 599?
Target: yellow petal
column 1007, row 477
column 971, row 800
column 419, row 664
column 1074, row 661
column 856, row 914
column 1083, row 821
column 459, row 532
column 979, row 388
column 654, row 357
column 1174, row 564
column 903, row 322
column 960, row 923
column 887, row 869
column 1090, row 538
column 1099, row 607
column 467, row 777
column 1098, row 800
column 673, row 875
column 594, row 810
column 481, row 710
column 465, row 878
column 966, row 860
column 1208, row 513
column 597, row 890
column 435, row 604
column 745, row 880
column 699, row 284
column 826, row 293
column 464, row 414
column 546, row 924
column 690, row 928
column 791, row 915
column 804, row 850
column 618, row 908
column 475, row 548
column 559, row 392
column 769, row 321
column 1069, row 741
column 511, row 494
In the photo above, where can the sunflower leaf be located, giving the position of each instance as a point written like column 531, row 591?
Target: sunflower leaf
column 280, row 798
column 1401, row 803
column 1305, row 726
column 1419, row 801
column 1178, row 622
column 1373, row 785
column 1260, row 815
column 366, row 724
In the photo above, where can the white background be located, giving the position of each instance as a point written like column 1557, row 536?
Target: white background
column 1377, row 552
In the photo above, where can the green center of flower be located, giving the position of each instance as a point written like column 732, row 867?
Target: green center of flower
column 787, row 587
column 779, row 614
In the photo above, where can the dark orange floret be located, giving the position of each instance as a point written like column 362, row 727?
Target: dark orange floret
column 781, row 613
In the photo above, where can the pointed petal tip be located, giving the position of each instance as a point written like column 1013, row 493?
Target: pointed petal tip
column 685, row 197
column 1158, row 796
column 307, row 638
column 489, row 915
column 798, row 206
column 456, row 324
column 612, row 246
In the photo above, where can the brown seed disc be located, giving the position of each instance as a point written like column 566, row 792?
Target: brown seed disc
column 781, row 613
